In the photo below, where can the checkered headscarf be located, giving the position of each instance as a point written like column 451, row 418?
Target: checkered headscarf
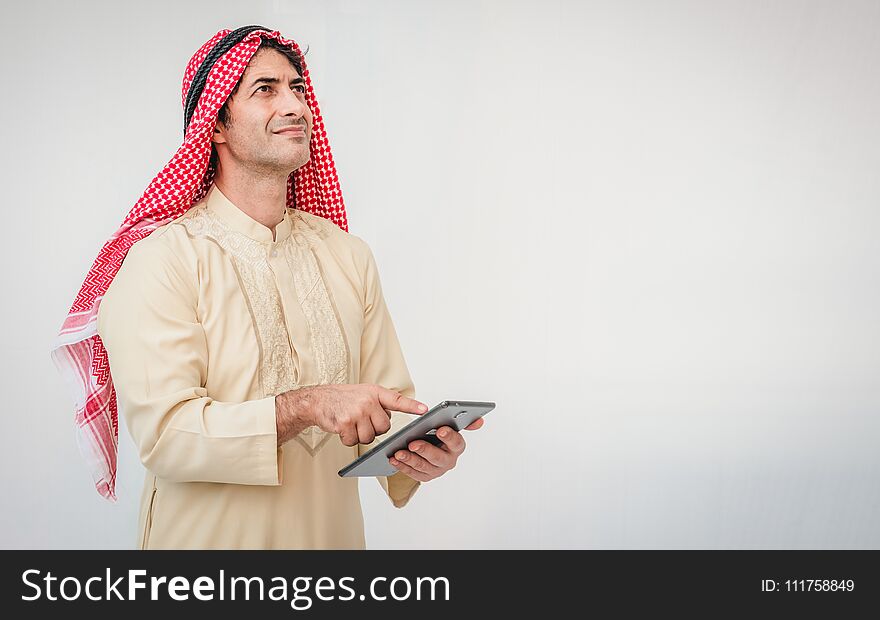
column 77, row 351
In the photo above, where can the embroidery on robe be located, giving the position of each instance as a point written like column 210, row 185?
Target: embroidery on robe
column 328, row 342
column 278, row 369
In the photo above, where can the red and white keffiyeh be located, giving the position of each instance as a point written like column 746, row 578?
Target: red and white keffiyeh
column 78, row 351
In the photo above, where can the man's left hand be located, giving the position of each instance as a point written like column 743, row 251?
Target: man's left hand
column 425, row 461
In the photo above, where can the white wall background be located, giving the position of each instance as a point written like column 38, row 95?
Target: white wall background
column 647, row 230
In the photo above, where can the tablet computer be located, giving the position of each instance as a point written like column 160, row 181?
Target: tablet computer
column 456, row 414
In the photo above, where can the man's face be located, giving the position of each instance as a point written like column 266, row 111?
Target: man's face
column 270, row 99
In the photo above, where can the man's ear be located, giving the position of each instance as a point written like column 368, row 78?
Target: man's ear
column 219, row 136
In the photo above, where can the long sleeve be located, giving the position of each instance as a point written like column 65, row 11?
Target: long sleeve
column 382, row 363
column 158, row 360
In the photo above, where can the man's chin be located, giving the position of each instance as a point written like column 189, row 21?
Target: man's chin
column 290, row 164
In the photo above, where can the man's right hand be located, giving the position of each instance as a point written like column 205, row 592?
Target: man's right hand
column 357, row 413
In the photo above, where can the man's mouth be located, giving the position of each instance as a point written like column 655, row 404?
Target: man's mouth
column 295, row 130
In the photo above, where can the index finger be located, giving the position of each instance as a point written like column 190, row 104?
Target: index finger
column 389, row 399
column 478, row 423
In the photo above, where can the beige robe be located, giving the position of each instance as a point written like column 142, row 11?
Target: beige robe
column 207, row 320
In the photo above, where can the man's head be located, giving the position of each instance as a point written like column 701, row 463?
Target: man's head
column 267, row 100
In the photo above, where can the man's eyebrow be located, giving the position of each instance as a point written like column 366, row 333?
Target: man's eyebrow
column 274, row 80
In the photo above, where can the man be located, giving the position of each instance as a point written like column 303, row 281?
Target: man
column 250, row 345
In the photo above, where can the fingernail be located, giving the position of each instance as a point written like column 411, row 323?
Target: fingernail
column 402, row 457
column 423, row 407
column 443, row 433
column 416, row 447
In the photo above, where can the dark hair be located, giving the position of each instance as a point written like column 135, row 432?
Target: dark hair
column 267, row 43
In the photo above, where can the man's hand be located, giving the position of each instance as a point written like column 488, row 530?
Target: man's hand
column 357, row 413
column 425, row 461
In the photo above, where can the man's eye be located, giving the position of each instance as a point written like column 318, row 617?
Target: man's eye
column 262, row 87
column 300, row 88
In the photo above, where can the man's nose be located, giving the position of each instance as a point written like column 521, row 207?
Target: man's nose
column 292, row 105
